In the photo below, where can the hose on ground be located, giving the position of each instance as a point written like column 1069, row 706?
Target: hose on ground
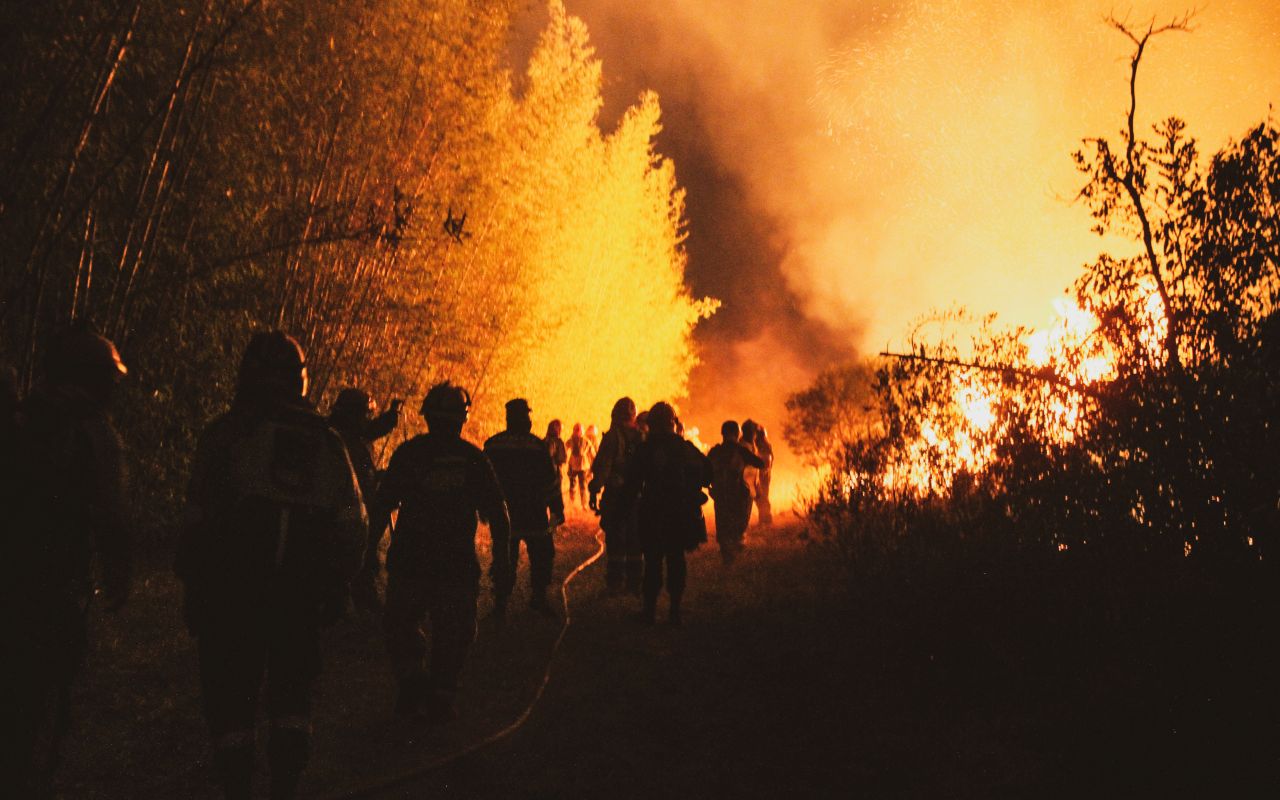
column 422, row 769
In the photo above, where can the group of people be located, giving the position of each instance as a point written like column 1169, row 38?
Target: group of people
column 576, row 453
column 743, row 470
column 284, row 520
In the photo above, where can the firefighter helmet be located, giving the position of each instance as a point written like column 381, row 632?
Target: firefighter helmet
column 80, row 356
column 447, row 403
column 274, row 360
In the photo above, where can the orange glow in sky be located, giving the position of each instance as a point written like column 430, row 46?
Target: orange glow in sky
column 914, row 155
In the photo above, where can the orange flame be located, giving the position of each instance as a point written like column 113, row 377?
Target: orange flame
column 961, row 436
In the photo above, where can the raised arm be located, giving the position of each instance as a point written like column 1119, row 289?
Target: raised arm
column 750, row 458
column 384, row 423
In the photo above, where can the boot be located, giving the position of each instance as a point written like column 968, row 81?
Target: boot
column 729, row 552
column 673, row 616
column 287, row 754
column 635, row 577
column 234, row 767
column 613, row 577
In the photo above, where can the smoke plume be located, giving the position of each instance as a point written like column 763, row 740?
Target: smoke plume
column 853, row 164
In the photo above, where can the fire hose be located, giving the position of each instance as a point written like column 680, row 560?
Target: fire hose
column 425, row 768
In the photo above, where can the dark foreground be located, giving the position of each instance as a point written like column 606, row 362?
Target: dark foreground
column 992, row 678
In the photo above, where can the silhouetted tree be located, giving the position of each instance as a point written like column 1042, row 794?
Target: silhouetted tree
column 838, row 408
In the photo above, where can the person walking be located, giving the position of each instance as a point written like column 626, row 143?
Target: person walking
column 665, row 481
column 531, row 484
column 730, row 460
column 764, row 449
column 353, row 417
column 624, row 558
column 555, row 445
column 581, row 451
column 751, row 475
column 63, row 487
column 442, row 485
column 275, row 528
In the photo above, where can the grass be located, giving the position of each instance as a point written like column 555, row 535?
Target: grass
column 981, row 676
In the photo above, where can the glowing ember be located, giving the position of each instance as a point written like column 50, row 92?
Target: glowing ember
column 977, row 404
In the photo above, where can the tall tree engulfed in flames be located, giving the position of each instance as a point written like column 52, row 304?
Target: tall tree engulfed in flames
column 368, row 175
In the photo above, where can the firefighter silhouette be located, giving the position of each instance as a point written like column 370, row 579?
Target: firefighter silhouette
column 353, row 417
column 63, row 488
column 624, row 558
column 730, row 460
column 441, row 485
column 664, row 483
column 531, row 484
column 275, row 529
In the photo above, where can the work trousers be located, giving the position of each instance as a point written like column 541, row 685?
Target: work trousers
column 578, row 487
column 378, row 521
column 732, row 516
column 762, row 497
column 48, row 652
column 450, row 611
column 541, row 545
column 624, row 556
column 655, row 554
column 235, row 656
column 364, row 584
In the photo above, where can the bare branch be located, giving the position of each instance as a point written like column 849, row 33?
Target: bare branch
column 1003, row 370
column 1178, row 23
column 1132, row 168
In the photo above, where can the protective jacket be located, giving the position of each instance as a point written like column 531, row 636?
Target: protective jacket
column 529, row 479
column 359, row 439
column 555, row 449
column 609, row 470
column 439, row 483
column 665, row 481
column 729, row 462
column 581, row 451
column 275, row 519
column 63, row 490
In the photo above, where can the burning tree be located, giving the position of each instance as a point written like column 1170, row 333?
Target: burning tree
column 369, row 176
column 1147, row 418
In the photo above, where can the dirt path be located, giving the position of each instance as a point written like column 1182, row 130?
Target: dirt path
column 721, row 706
column 622, row 697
